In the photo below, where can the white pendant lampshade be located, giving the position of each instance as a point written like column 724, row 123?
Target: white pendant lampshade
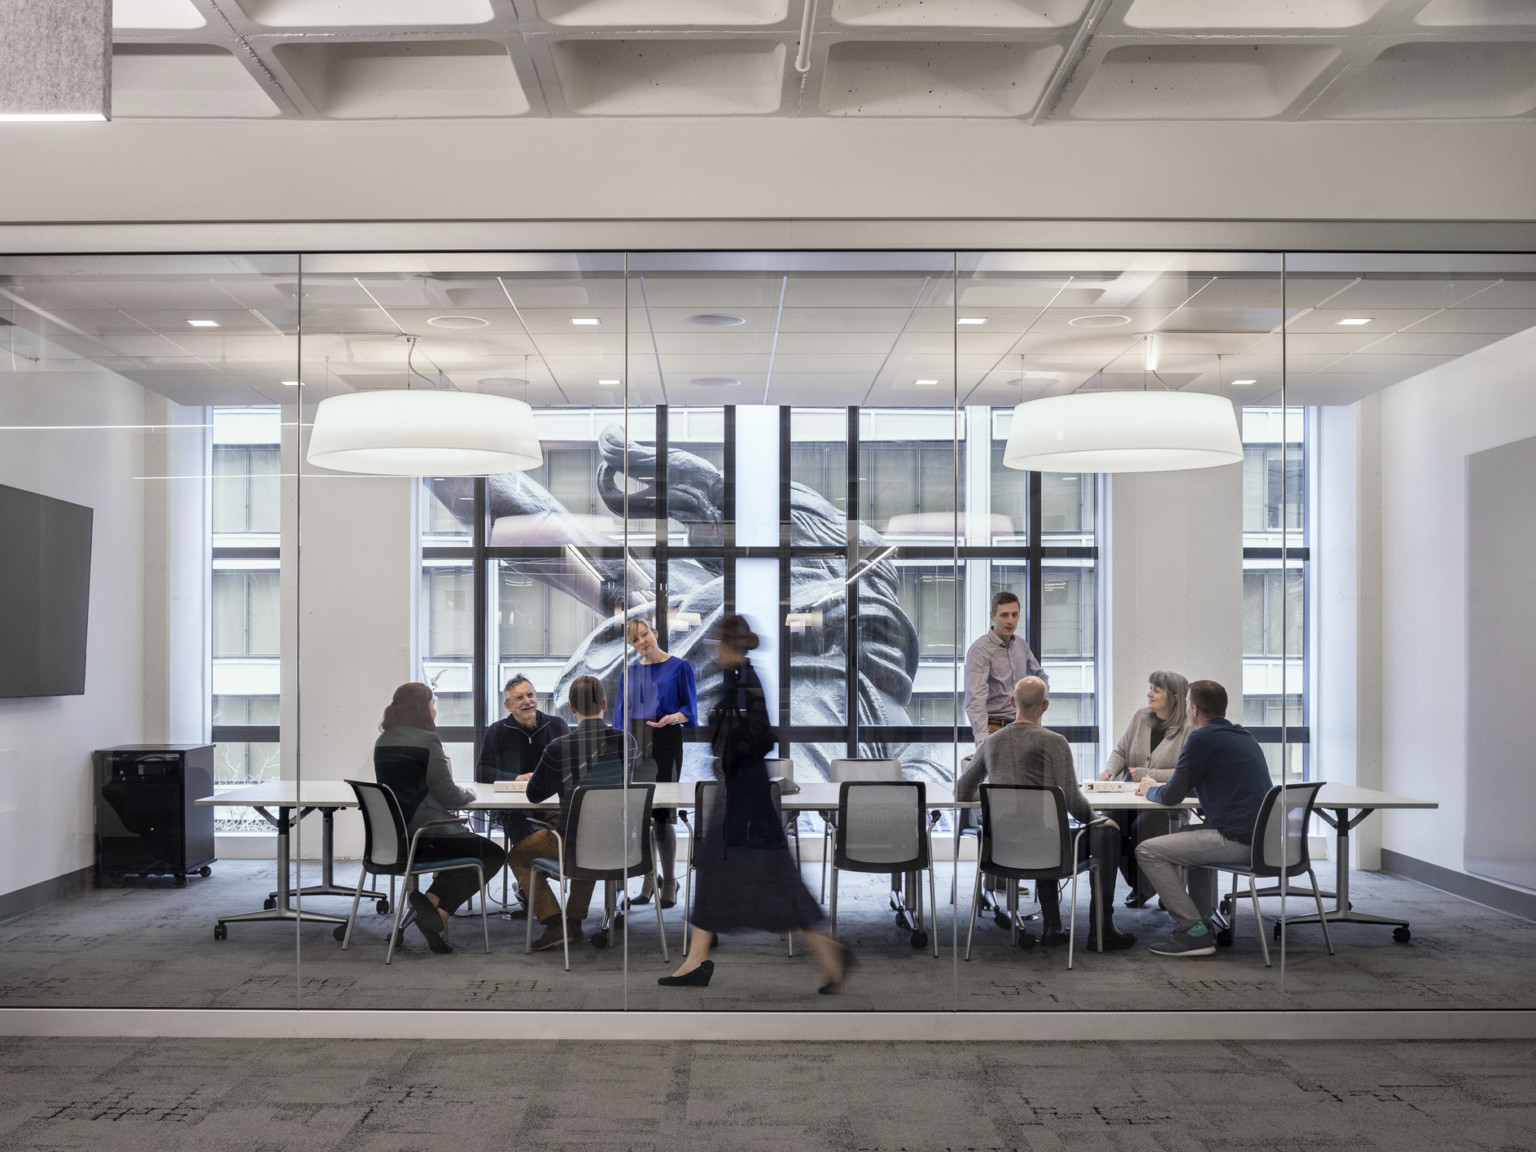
column 424, row 432
column 1123, row 432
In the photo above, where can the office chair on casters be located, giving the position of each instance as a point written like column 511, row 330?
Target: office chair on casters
column 781, row 774
column 707, row 794
column 857, row 770
column 607, row 838
column 384, row 836
column 1279, row 850
column 1025, row 836
column 880, row 828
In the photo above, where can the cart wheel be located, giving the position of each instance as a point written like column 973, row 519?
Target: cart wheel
column 269, row 903
column 220, row 931
column 919, row 939
column 383, row 906
column 181, row 879
column 1401, row 934
column 205, row 871
column 600, row 939
column 1224, row 938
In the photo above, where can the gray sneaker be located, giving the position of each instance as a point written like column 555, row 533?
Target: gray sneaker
column 1195, row 941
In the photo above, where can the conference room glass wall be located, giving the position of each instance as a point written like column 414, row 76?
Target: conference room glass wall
column 816, row 442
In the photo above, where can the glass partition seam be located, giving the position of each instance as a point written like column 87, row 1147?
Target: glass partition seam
column 954, row 656
column 298, row 636
column 851, row 593
column 1285, row 535
column 624, row 661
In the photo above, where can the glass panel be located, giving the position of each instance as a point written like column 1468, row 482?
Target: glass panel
column 140, row 465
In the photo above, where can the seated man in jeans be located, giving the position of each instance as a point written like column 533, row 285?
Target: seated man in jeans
column 593, row 753
column 1223, row 765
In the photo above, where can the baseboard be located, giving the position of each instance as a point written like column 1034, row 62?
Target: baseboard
column 35, row 896
column 1474, row 888
column 650, row 1027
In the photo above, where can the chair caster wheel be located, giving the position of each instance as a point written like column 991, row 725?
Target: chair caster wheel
column 601, row 939
column 1224, row 938
column 220, row 931
column 339, row 932
column 205, row 871
column 269, row 903
column 919, row 939
column 1402, row 935
column 383, row 906
column 904, row 921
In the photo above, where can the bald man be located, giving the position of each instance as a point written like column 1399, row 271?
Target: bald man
column 1025, row 753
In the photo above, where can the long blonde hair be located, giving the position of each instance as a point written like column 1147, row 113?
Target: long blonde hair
column 1176, row 687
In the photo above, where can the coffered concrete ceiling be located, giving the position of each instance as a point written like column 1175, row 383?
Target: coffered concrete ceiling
column 1027, row 60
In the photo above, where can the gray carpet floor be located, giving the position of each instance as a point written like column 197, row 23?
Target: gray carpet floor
column 390, row 1096
column 152, row 945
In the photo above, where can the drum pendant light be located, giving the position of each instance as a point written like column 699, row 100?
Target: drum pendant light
column 424, row 432
column 1160, row 431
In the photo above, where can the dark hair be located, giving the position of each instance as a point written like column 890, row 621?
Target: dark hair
column 515, row 681
column 1001, row 598
column 411, row 708
column 1210, row 697
column 586, row 697
column 735, row 631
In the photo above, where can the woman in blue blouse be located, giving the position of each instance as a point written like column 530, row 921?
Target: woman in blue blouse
column 658, row 700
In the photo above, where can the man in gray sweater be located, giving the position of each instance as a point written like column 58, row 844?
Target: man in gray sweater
column 1026, row 753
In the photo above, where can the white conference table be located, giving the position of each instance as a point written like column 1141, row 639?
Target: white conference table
column 1342, row 806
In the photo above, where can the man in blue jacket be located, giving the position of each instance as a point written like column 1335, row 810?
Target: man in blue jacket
column 1224, row 767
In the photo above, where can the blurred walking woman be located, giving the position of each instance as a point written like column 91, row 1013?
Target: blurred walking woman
column 1150, row 746
column 427, row 794
column 657, row 702
column 746, row 876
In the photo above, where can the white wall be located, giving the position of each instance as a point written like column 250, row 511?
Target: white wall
column 1175, row 584
column 46, row 782
column 1429, row 426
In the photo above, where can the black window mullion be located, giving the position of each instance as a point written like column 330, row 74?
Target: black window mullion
column 479, row 575
column 728, row 538
column 851, row 594
column 1034, row 583
column 786, row 464
column 663, row 540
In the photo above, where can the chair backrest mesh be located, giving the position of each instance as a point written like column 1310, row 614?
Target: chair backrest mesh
column 707, row 794
column 403, row 770
column 881, row 823
column 784, row 768
column 1025, row 828
column 1281, row 839
column 607, row 833
column 877, row 770
column 383, row 825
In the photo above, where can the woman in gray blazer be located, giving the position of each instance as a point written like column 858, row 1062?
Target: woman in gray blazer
column 1150, row 746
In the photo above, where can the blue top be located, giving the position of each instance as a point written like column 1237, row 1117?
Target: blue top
column 657, row 690
column 1223, row 765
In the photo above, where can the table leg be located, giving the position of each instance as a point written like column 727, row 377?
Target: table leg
column 327, row 885
column 1341, row 913
column 282, row 911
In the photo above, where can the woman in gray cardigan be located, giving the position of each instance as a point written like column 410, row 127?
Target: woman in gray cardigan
column 1150, row 747
column 427, row 792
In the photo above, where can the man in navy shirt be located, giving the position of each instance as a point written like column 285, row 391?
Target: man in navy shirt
column 1224, row 767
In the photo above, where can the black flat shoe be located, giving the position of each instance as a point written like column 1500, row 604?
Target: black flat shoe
column 832, row 986
column 1137, row 900
column 698, row 978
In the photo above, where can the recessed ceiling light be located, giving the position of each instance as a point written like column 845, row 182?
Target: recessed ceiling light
column 45, row 117
column 587, row 321
column 1099, row 320
column 458, row 322
column 715, row 381
column 289, row 383
column 203, row 323
column 1355, row 320
column 503, row 382
column 1243, row 383
column 971, row 320
column 925, row 383
column 716, row 320
column 610, row 383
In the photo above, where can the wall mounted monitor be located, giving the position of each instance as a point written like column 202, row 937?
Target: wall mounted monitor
column 45, row 594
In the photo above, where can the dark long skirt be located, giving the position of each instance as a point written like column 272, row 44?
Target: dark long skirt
column 746, row 876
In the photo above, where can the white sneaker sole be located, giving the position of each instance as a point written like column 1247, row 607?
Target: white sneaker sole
column 1209, row 950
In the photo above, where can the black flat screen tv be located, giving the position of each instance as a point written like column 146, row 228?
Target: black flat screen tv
column 45, row 594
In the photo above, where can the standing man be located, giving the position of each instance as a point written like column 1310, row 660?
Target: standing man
column 513, row 748
column 994, row 664
column 1223, row 765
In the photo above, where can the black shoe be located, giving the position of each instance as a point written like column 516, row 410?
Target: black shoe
column 668, row 901
column 556, row 933
column 1052, row 936
column 637, row 901
column 1117, row 941
column 1137, row 900
column 836, row 985
column 698, row 978
column 518, row 913
column 429, row 922
column 1026, row 941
